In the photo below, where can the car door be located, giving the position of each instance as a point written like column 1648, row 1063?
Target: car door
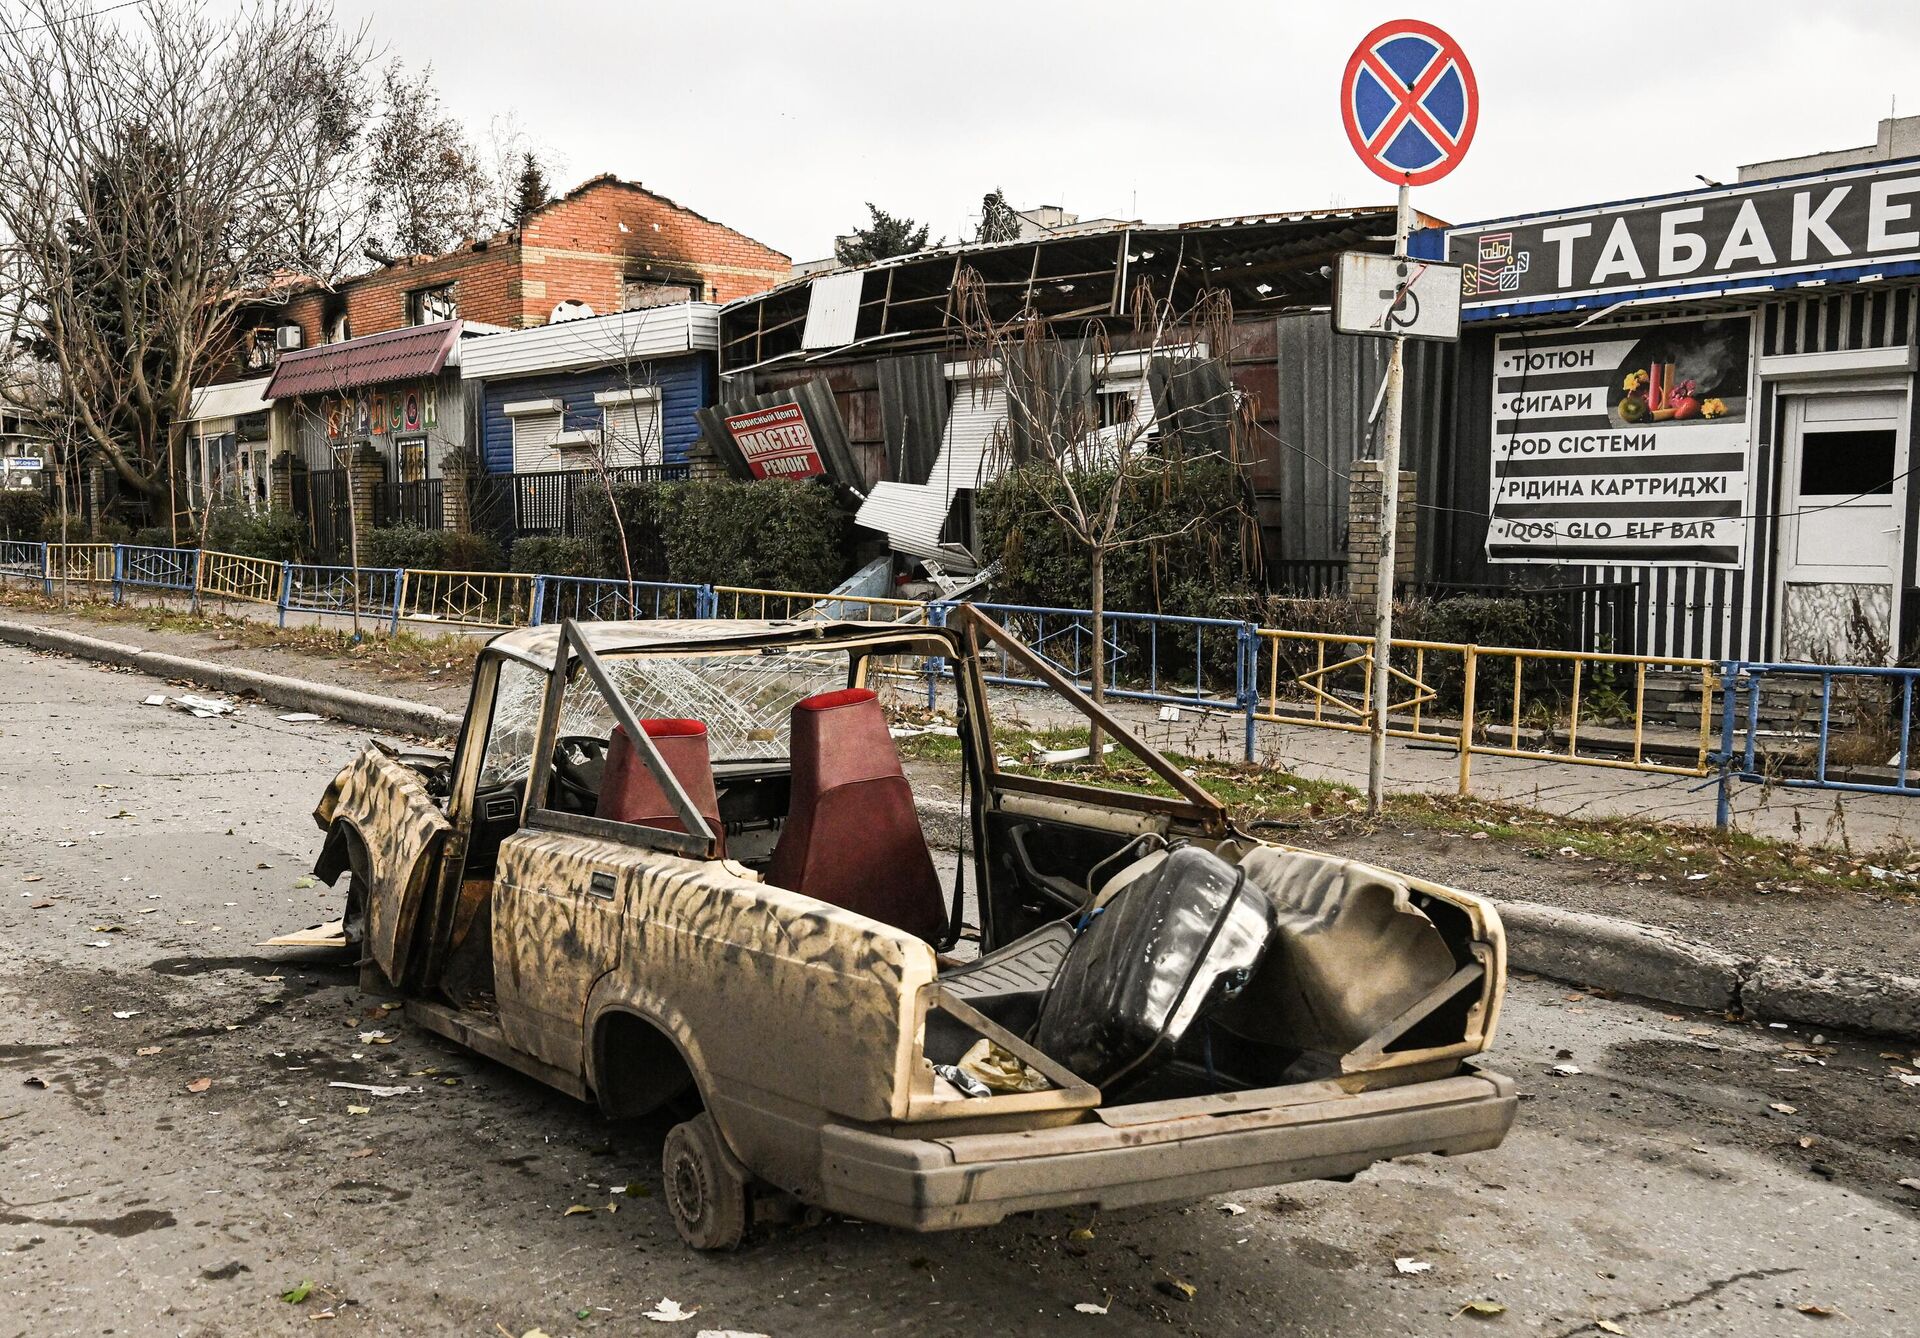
column 385, row 804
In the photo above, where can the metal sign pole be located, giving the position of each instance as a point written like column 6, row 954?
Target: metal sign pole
column 1389, row 516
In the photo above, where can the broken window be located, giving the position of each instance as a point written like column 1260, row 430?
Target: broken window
column 428, row 305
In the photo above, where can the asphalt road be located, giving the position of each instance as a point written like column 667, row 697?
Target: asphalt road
column 144, row 853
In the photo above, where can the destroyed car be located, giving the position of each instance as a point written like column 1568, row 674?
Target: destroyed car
column 679, row 864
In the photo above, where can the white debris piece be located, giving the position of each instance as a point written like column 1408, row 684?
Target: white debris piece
column 157, row 699
column 670, row 1311
column 371, row 1089
column 204, row 708
column 300, row 717
column 1568, row 1070
column 1409, row 1266
column 1169, row 713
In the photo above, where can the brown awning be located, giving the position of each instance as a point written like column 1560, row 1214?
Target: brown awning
column 393, row 355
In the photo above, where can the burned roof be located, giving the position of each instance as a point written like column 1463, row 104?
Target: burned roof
column 538, row 646
column 1266, row 262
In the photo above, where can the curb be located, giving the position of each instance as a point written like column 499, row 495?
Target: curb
column 386, row 714
column 1574, row 946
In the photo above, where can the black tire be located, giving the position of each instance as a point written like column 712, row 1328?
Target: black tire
column 705, row 1188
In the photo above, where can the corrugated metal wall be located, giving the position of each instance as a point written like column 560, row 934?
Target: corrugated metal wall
column 1317, row 428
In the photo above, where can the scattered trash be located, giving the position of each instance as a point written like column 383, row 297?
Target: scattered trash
column 1169, row 713
column 359, row 1110
column 127, row 1013
column 1411, row 1266
column 1568, row 1070
column 1783, row 1108
column 371, row 1089
column 300, row 717
column 1232, row 1209
column 960, row 1078
column 204, row 708
column 99, row 943
column 670, row 1311
column 1084, row 1307
column 1057, row 756
column 199, row 1085
column 297, row 1293
column 1001, row 1070
column 157, row 699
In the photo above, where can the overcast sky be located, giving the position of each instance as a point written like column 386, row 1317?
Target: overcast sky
column 782, row 119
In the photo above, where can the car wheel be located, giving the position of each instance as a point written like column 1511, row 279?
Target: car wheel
column 706, row 1189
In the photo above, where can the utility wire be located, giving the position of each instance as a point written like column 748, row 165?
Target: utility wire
column 68, row 18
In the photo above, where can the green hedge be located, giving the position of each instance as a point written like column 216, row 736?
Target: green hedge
column 23, row 515
column 778, row 533
column 548, row 555
column 278, row 535
column 429, row 550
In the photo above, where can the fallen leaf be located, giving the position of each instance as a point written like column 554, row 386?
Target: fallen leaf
column 199, row 1085
column 146, row 1050
column 1177, row 1287
column 31, row 878
column 361, row 1152
column 1805, row 1142
column 1818, row 1311
column 40, row 905
column 577, row 1210
column 297, row 1293
column 359, row 1110
column 1607, row 1326
column 1783, row 1108
column 1483, row 1309
column 1080, row 1233
column 1411, row 1266
column 669, row 1311
column 1089, row 1308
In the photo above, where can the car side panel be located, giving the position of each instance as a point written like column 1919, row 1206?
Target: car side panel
column 771, row 995
column 403, row 830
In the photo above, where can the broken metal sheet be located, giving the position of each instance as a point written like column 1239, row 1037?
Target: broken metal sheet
column 332, row 934
column 833, row 309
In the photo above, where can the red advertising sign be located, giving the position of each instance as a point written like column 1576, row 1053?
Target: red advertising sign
column 777, row 443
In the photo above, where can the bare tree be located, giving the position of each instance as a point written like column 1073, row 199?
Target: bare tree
column 160, row 167
column 1095, row 425
column 522, row 172
column 427, row 187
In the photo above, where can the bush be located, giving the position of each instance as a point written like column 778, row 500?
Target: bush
column 1193, row 573
column 548, row 555
column 23, row 515
column 154, row 536
column 409, row 545
column 277, row 535
column 775, row 533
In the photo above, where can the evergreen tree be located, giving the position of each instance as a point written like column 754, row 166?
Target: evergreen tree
column 885, row 235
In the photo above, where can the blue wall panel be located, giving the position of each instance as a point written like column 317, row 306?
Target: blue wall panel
column 686, row 385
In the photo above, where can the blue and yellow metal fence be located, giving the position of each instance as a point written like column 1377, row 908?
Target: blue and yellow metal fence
column 1570, row 707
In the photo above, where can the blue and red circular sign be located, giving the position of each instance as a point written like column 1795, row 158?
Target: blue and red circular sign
column 1409, row 102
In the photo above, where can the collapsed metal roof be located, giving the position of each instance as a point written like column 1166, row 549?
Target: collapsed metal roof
column 1266, row 262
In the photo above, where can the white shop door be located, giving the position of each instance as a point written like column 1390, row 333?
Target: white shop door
column 1842, row 495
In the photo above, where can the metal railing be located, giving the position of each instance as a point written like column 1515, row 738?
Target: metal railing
column 467, row 598
column 607, row 599
column 1874, row 755
column 253, row 580
column 368, row 592
column 744, row 601
column 1570, row 707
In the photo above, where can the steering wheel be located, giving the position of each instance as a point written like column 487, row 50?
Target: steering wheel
column 578, row 763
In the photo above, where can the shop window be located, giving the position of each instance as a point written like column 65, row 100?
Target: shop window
column 427, row 305
column 413, row 459
column 631, row 428
column 1849, row 463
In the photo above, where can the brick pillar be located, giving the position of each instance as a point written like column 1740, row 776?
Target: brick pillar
column 280, row 491
column 457, row 469
column 365, row 472
column 1363, row 529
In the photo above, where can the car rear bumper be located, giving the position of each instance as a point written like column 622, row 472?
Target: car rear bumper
column 1202, row 1148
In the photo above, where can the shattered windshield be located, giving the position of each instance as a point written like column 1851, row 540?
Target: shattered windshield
column 744, row 700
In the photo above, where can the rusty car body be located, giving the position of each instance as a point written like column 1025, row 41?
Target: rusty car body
column 739, row 938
